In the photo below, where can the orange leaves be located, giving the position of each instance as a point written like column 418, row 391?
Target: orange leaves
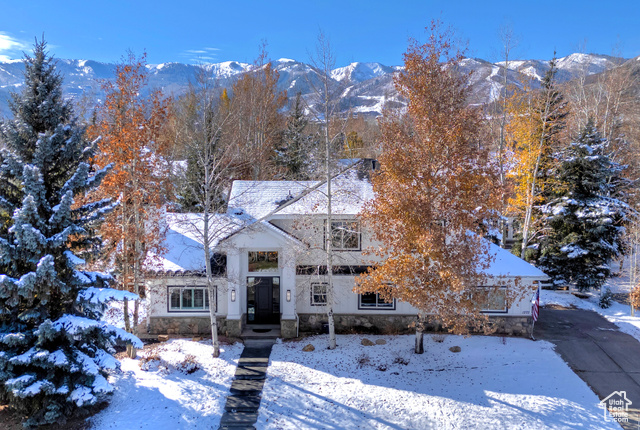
column 131, row 127
column 435, row 186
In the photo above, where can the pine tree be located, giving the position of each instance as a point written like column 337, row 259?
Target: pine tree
column 294, row 153
column 585, row 220
column 54, row 354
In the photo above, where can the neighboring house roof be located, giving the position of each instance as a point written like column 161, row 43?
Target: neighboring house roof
column 260, row 198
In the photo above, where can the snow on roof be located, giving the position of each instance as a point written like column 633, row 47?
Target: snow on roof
column 259, row 198
column 184, row 240
column 506, row 264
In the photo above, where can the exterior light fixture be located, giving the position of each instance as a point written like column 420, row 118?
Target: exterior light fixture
column 233, row 295
column 288, row 295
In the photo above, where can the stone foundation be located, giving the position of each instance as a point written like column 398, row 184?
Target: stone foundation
column 185, row 325
column 288, row 329
column 512, row 326
column 234, row 328
column 346, row 323
column 403, row 324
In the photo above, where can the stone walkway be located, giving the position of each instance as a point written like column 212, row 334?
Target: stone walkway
column 241, row 409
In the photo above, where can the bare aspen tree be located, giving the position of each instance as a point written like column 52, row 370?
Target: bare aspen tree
column 209, row 173
column 324, row 109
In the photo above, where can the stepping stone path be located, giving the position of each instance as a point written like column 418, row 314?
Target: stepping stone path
column 241, row 409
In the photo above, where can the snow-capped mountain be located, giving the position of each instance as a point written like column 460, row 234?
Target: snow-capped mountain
column 361, row 87
column 569, row 67
column 360, row 72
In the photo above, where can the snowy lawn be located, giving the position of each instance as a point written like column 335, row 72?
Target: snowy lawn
column 492, row 383
column 618, row 313
column 183, row 388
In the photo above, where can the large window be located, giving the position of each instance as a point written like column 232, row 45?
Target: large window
column 318, row 294
column 186, row 299
column 345, row 235
column 374, row 301
column 263, row 261
column 491, row 299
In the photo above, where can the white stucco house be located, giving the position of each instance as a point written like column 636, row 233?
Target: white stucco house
column 270, row 266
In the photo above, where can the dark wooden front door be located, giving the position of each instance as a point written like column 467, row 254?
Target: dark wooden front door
column 263, row 300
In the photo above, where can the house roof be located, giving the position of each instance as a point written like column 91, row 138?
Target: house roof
column 184, row 241
column 260, row 198
column 504, row 263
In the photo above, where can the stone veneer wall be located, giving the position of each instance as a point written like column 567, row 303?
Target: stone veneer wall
column 185, row 325
column 345, row 323
column 399, row 324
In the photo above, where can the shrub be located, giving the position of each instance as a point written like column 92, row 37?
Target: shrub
column 606, row 298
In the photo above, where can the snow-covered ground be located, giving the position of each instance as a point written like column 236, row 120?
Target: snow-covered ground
column 618, row 313
column 492, row 383
column 184, row 389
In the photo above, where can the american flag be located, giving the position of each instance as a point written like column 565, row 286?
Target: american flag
column 535, row 304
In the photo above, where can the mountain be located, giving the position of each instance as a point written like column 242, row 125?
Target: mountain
column 362, row 88
column 359, row 72
column 569, row 67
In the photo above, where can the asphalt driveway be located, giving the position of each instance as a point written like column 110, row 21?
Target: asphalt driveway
column 605, row 358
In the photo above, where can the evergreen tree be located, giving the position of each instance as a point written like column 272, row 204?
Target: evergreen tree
column 584, row 222
column 294, row 153
column 54, row 354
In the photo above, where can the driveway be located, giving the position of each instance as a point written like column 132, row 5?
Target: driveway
column 605, row 358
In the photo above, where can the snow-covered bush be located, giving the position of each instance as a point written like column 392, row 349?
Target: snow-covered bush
column 606, row 298
column 55, row 353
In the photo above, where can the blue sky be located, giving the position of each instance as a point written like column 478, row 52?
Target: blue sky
column 212, row 31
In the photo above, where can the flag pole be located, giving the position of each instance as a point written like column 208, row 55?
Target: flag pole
column 533, row 322
column 535, row 309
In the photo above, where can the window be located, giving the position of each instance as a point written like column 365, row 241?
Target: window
column 184, row 299
column 491, row 299
column 263, row 261
column 345, row 235
column 318, row 294
column 374, row 301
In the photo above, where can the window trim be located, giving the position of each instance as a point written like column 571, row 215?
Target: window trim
column 191, row 287
column 377, row 307
column 494, row 311
column 326, row 299
column 358, row 235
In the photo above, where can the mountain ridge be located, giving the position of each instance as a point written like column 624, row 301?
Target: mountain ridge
column 364, row 87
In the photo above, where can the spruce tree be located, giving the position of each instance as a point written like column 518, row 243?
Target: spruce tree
column 585, row 219
column 54, row 353
column 294, row 153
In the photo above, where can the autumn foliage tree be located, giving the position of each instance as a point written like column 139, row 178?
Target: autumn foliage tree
column 256, row 123
column 534, row 132
column 130, row 125
column 435, row 184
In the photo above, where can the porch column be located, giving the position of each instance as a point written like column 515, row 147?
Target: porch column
column 234, row 284
column 288, row 322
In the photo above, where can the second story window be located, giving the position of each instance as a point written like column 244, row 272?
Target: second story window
column 345, row 235
column 263, row 261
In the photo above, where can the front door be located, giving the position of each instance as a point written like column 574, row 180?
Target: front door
column 263, row 300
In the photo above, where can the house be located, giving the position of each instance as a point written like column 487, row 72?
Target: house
column 270, row 266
